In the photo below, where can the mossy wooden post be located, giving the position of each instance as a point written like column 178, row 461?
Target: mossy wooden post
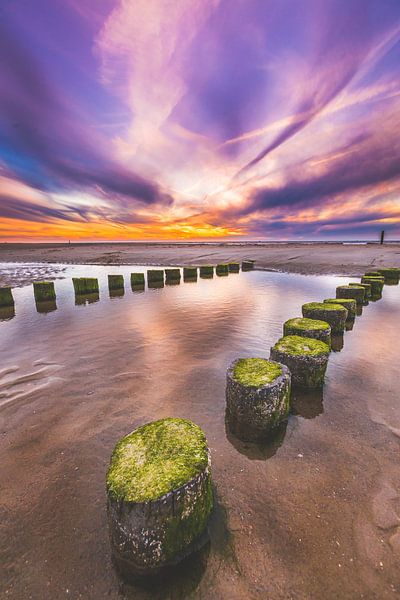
column 376, row 284
column 306, row 359
column 309, row 328
column 6, row 297
column 372, row 274
column 366, row 286
column 391, row 274
column 247, row 265
column 206, row 271
column 189, row 273
column 44, row 291
column 137, row 281
column 222, row 269
column 115, row 282
column 155, row 278
column 159, row 496
column 172, row 275
column 349, row 303
column 257, row 397
column 85, row 285
column 334, row 314
column 351, row 291
column 234, row 267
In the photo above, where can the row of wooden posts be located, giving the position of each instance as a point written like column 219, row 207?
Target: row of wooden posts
column 44, row 291
column 150, row 530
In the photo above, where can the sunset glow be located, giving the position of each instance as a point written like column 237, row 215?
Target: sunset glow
column 202, row 119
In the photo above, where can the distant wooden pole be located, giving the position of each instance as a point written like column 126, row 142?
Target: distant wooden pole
column 382, row 235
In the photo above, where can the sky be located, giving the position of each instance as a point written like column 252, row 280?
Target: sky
column 199, row 119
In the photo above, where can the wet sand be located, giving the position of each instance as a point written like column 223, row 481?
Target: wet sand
column 306, row 258
column 315, row 514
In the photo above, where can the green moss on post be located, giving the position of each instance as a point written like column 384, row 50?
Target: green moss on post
column 306, row 359
column 155, row 276
column 222, row 269
column 115, row 282
column 366, row 286
column 189, row 273
column 44, row 291
column 257, row 397
column 83, row 299
column 247, row 265
column 351, row 291
column 376, row 285
column 85, row 285
column 349, row 303
column 173, row 275
column 137, row 280
column 391, row 274
column 6, row 296
column 159, row 495
column 234, row 267
column 334, row 314
column 308, row 328
column 206, row 271
column 372, row 274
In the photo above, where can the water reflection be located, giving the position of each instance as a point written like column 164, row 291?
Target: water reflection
column 337, row 342
column 82, row 299
column 154, row 285
column 172, row 282
column 176, row 583
column 261, row 450
column 359, row 308
column 349, row 324
column 165, row 353
column 138, row 288
column 7, row 313
column 307, row 403
column 117, row 293
column 46, row 306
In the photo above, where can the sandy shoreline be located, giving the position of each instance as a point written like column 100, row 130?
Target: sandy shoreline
column 306, row 258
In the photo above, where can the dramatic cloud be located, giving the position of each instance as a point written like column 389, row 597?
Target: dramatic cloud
column 210, row 118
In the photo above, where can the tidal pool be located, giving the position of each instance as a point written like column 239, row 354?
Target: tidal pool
column 314, row 513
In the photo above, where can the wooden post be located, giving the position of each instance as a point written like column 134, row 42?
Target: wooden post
column 382, row 236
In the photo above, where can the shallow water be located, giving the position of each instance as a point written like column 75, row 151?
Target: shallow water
column 313, row 514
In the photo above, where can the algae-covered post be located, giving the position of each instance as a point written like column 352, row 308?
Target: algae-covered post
column 309, row 328
column 391, row 274
column 137, row 280
column 159, row 496
column 6, row 297
column 44, row 291
column 222, row 269
column 366, row 286
column 376, row 284
column 234, row 267
column 351, row 291
column 334, row 314
column 189, row 273
column 172, row 275
column 155, row 276
column 306, row 359
column 115, row 282
column 372, row 273
column 206, row 271
column 247, row 265
column 349, row 303
column 257, row 397
column 85, row 285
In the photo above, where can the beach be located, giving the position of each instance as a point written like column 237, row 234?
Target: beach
column 310, row 258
